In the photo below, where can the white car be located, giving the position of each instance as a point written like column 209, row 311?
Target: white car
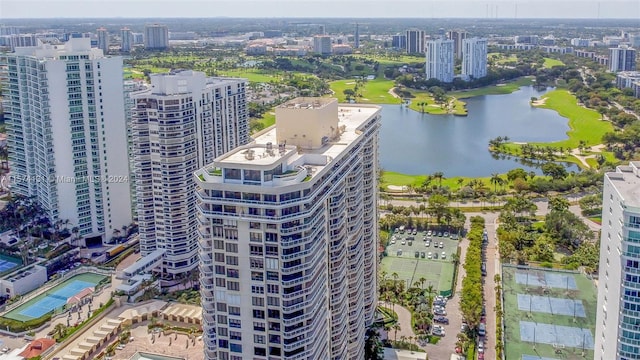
column 444, row 255
column 403, row 242
column 427, row 244
column 393, row 241
column 441, row 245
column 429, row 255
column 481, row 347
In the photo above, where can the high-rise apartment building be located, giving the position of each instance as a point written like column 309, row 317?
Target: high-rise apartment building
column 617, row 316
column 126, row 40
column 474, row 58
column 288, row 237
column 65, row 116
column 322, row 44
column 156, row 37
column 415, row 41
column 103, row 39
column 458, row 37
column 184, row 121
column 622, row 58
column 440, row 62
column 399, row 41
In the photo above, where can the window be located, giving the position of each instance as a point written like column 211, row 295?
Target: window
column 234, row 310
column 257, row 289
column 273, row 301
column 233, row 273
column 232, row 260
column 232, row 248
column 273, row 289
column 235, row 323
column 255, row 250
column 258, row 339
column 257, row 276
column 258, row 314
column 258, row 326
column 233, row 285
column 221, row 307
column 257, row 301
column 235, row 335
column 272, row 275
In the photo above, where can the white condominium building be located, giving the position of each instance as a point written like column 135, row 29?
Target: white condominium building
column 474, row 58
column 65, row 116
column 622, row 58
column 322, row 44
column 288, row 236
column 618, row 311
column 126, row 40
column 184, row 121
column 156, row 37
column 440, row 60
column 103, row 39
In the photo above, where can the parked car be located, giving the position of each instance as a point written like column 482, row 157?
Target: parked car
column 444, row 255
column 399, row 253
column 429, row 233
column 446, row 234
column 427, row 244
column 441, row 312
column 393, row 241
column 441, row 320
column 423, row 255
column 439, row 233
column 403, row 242
column 417, row 254
column 482, row 329
column 435, row 255
column 441, row 245
column 429, row 255
column 480, row 347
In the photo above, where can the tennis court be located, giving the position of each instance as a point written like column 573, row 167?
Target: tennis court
column 54, row 298
column 550, row 315
column 564, row 336
column 550, row 305
column 7, row 263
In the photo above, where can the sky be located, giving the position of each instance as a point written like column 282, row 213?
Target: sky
column 570, row 9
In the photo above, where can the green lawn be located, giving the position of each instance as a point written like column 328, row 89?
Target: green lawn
column 253, row 75
column 586, row 124
column 501, row 60
column 394, row 178
column 375, row 91
column 506, row 88
column 267, row 119
column 549, row 63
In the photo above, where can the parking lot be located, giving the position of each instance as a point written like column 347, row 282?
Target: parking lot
column 413, row 257
column 406, row 245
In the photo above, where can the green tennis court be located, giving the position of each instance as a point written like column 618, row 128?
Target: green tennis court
column 54, row 298
column 411, row 270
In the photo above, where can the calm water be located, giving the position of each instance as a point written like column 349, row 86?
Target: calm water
column 415, row 143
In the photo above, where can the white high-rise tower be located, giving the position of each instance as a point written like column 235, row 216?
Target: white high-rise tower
column 288, row 236
column 440, row 60
column 184, row 121
column 67, row 135
column 474, row 58
column 617, row 318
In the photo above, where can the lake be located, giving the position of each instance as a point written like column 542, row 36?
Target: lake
column 415, row 143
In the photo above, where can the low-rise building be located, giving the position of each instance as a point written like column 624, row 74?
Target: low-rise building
column 23, row 281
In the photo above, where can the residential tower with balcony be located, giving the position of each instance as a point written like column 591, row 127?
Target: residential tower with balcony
column 288, row 236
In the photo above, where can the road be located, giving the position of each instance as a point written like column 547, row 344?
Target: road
column 446, row 345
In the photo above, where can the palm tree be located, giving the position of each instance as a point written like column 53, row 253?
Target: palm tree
column 422, row 280
column 496, row 180
column 75, row 230
column 396, row 327
column 439, row 175
column 60, row 329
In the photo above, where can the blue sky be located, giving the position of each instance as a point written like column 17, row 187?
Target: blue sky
column 629, row 9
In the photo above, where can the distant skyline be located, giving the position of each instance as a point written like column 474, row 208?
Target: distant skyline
column 505, row 9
